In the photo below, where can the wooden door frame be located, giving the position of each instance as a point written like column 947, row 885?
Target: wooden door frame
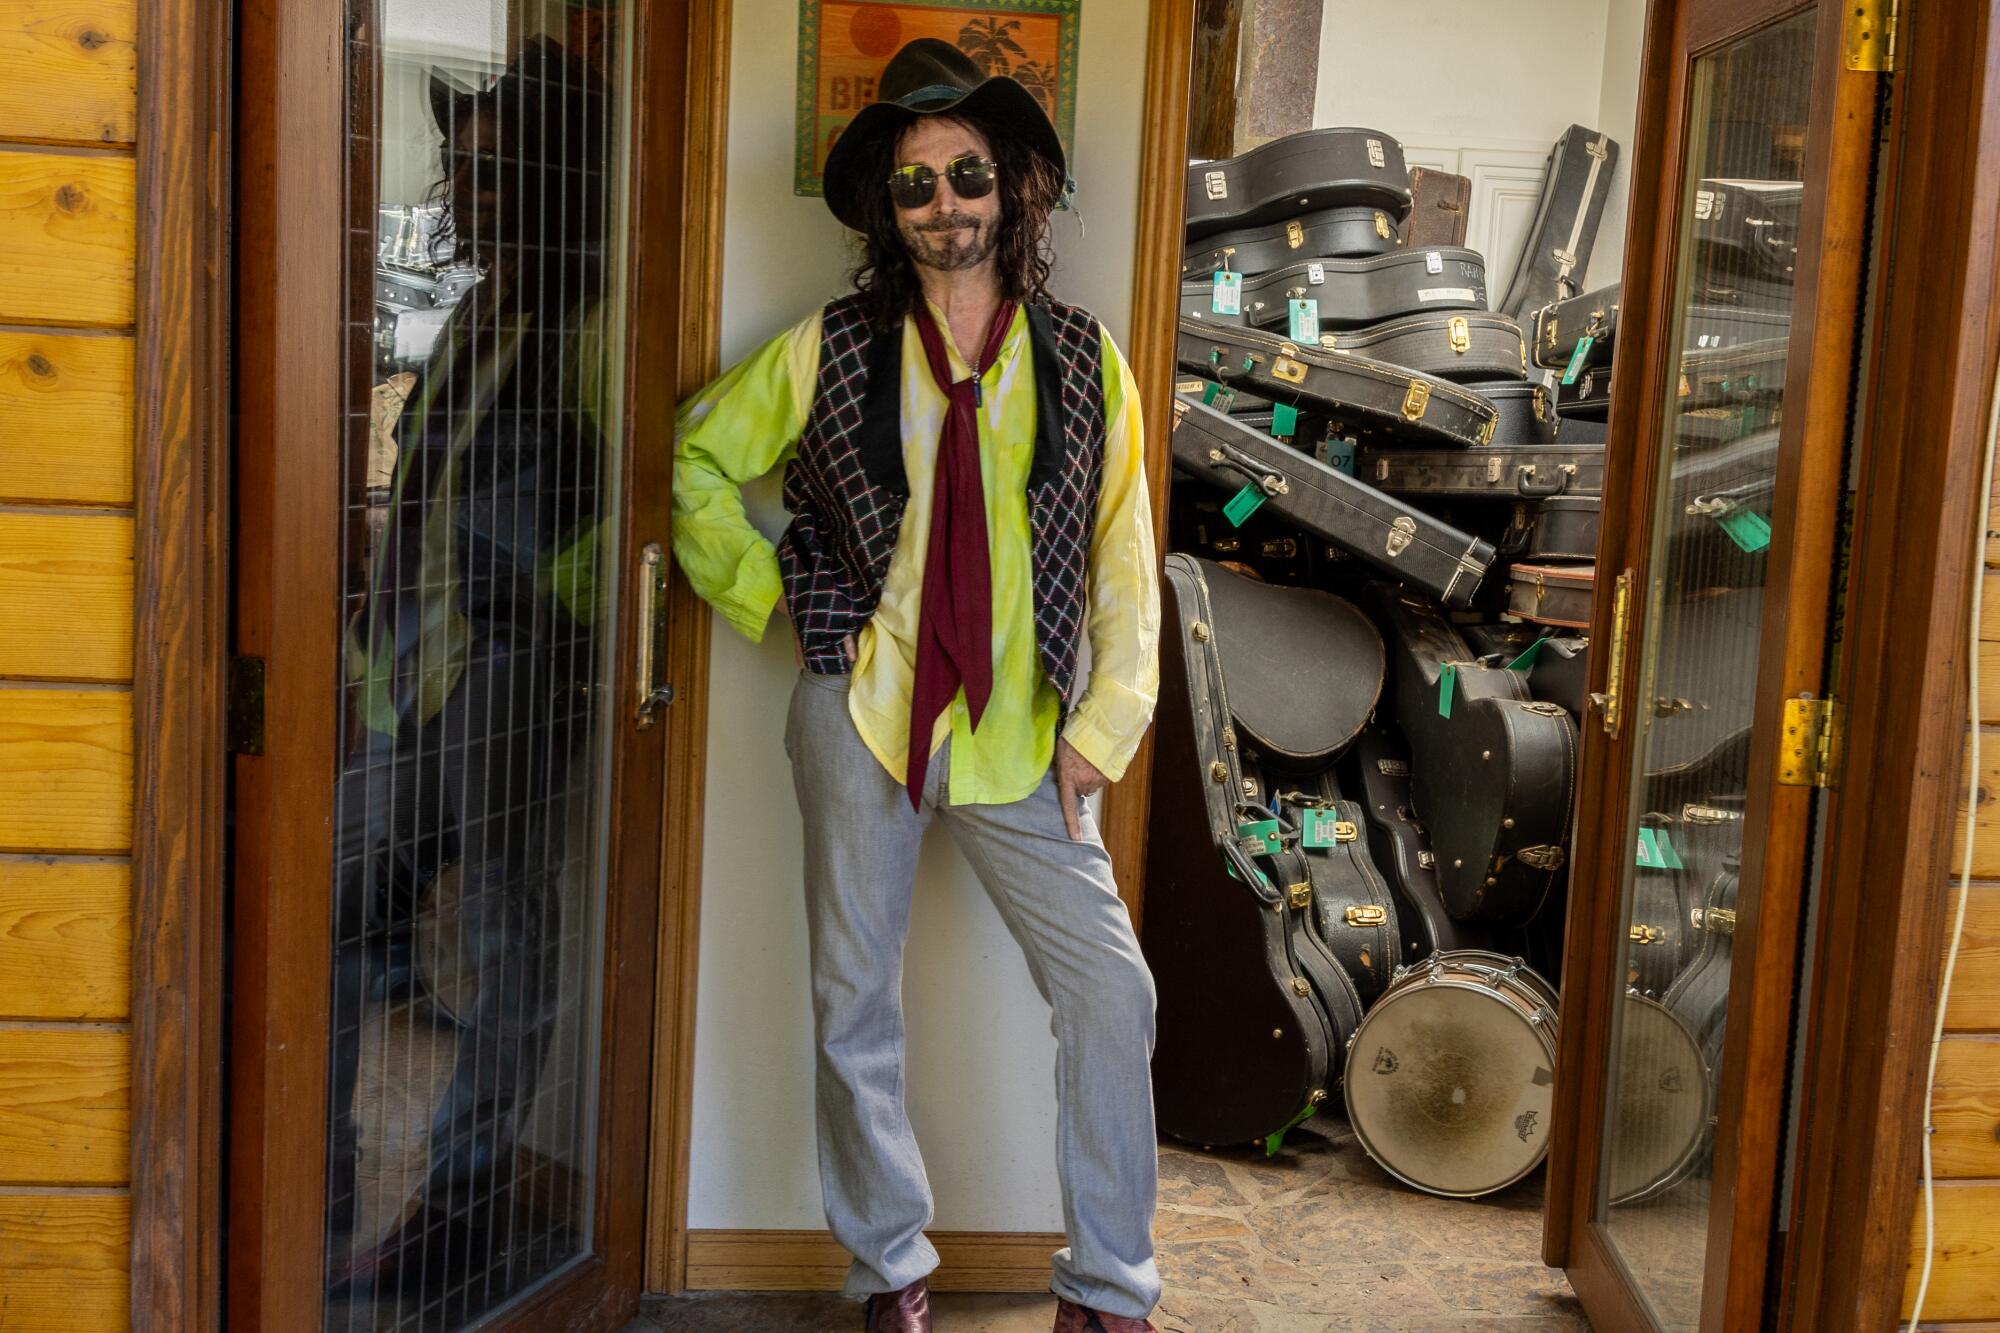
column 180, row 456
column 1751, row 1106
column 1939, row 316
column 291, row 112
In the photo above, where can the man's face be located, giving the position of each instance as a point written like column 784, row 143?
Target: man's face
column 475, row 172
column 948, row 233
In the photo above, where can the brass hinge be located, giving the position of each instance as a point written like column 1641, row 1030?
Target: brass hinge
column 1868, row 36
column 243, row 722
column 1809, row 749
column 1608, row 703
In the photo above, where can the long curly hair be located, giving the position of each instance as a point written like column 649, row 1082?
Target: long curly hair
column 1029, row 186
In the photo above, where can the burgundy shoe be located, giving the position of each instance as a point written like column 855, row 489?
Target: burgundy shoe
column 905, row 1311
column 1073, row 1318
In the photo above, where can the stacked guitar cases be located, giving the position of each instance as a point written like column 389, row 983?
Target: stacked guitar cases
column 1368, row 715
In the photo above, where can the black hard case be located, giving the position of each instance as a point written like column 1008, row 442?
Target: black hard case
column 1402, row 853
column 1746, row 235
column 1353, row 293
column 1352, row 910
column 1586, row 398
column 1565, row 227
column 1471, row 347
column 1242, row 1050
column 1300, row 173
column 1364, row 393
column 1494, row 783
column 1527, row 413
column 1564, row 527
column 1560, row 672
column 1336, row 233
column 1403, row 542
column 1559, row 327
column 1496, row 472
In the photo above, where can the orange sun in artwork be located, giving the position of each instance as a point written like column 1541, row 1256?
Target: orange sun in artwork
column 875, row 30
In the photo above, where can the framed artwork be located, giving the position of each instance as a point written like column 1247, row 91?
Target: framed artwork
column 843, row 45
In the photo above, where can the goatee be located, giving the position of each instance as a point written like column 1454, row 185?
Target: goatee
column 938, row 244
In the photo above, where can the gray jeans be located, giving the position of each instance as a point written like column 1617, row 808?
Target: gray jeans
column 1058, row 900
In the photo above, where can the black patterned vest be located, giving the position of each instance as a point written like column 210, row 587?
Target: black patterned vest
column 846, row 487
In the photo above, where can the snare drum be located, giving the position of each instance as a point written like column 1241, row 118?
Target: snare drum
column 1660, row 1106
column 1450, row 1076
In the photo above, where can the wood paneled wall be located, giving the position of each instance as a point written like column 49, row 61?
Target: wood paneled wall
column 68, row 119
column 1965, row 1150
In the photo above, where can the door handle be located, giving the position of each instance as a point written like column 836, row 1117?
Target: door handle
column 654, row 694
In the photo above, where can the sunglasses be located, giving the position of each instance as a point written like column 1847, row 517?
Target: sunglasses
column 971, row 177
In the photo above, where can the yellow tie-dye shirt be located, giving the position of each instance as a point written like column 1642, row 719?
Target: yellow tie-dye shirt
column 749, row 421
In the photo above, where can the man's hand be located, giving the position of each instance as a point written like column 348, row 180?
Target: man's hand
column 1076, row 778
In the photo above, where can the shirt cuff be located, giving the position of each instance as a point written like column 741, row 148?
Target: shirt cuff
column 747, row 602
column 1107, row 725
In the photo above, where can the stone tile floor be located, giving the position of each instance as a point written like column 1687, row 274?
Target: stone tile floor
column 1316, row 1240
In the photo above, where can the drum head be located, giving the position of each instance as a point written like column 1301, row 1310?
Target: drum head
column 1660, row 1106
column 1449, row 1086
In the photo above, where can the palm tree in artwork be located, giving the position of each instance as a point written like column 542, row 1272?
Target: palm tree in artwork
column 1039, row 80
column 988, row 41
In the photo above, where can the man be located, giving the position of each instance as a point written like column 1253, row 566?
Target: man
column 968, row 500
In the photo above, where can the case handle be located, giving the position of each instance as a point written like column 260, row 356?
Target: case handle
column 1530, row 489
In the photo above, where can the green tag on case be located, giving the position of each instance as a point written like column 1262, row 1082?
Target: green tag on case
column 1243, row 504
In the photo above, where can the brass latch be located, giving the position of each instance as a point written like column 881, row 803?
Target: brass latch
column 1367, row 914
column 1344, row 831
column 1716, row 920
column 1608, row 703
column 1809, row 744
column 1646, row 934
column 1288, row 370
column 1300, row 986
column 1295, row 235
column 1868, row 36
column 1382, row 226
column 1461, row 333
column 1416, row 400
column 1300, row 894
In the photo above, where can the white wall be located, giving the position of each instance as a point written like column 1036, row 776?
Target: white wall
column 1483, row 89
column 1617, row 116
column 981, row 1061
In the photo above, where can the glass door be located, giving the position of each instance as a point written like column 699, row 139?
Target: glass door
column 449, row 573
column 1713, row 728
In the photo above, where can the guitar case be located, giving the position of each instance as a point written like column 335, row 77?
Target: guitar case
column 1561, row 325
column 1556, row 595
column 1246, row 1043
column 1301, row 173
column 1565, row 227
column 1336, row 233
column 1526, row 414
column 1559, row 673
column 1657, row 933
column 1746, row 235
column 1402, row 851
column 1470, row 348
column 1699, row 997
column 1438, row 203
column 1493, row 782
column 1352, row 909
column 1564, row 527
column 1586, row 398
column 1368, row 394
column 1265, row 545
column 1403, row 542
column 1496, row 472
column 1352, row 293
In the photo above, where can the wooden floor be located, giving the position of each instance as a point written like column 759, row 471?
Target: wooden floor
column 1315, row 1240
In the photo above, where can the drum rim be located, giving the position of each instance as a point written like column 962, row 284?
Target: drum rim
column 1704, row 1125
column 1516, row 968
column 1545, row 1033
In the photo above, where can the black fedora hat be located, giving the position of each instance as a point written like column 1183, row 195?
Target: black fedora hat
column 929, row 77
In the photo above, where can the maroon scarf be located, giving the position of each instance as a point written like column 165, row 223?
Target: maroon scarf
column 955, row 618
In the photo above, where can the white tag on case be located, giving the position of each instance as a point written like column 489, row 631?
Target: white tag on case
column 1433, row 262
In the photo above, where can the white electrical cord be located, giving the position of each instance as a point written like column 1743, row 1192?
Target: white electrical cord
column 1965, row 858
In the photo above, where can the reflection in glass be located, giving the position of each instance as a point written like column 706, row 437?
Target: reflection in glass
column 477, row 478
column 1698, row 659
